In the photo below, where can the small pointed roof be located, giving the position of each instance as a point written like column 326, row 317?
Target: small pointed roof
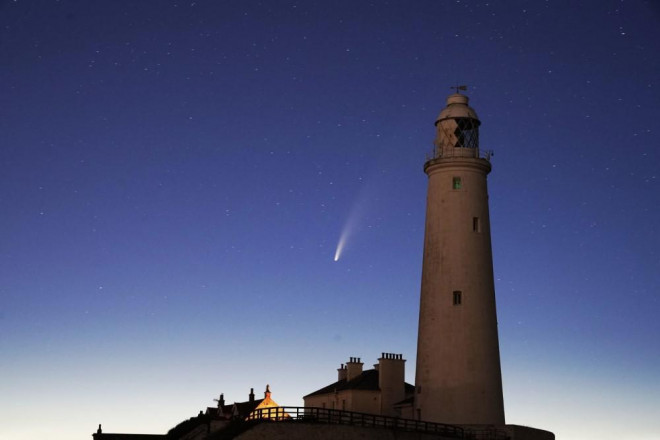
column 269, row 403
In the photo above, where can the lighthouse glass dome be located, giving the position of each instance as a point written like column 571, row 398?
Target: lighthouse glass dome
column 457, row 131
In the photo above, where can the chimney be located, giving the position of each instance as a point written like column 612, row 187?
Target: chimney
column 353, row 368
column 99, row 434
column 391, row 381
column 251, row 394
column 221, row 400
column 341, row 373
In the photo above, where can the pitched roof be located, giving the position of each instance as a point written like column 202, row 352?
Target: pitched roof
column 219, row 412
column 245, row 408
column 367, row 380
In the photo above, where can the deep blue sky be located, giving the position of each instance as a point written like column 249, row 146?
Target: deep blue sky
column 175, row 177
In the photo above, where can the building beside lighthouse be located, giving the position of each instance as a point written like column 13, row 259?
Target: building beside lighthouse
column 380, row 390
column 458, row 378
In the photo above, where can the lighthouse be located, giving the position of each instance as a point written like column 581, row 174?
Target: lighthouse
column 458, row 377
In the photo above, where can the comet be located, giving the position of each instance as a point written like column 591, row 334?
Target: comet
column 345, row 233
column 340, row 247
column 354, row 217
column 341, row 244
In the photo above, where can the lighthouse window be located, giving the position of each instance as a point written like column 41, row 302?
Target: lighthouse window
column 457, row 297
column 467, row 133
column 476, row 224
column 456, row 183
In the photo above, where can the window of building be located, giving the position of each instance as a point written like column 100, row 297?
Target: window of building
column 458, row 297
column 323, row 405
column 456, row 183
column 476, row 224
column 343, row 405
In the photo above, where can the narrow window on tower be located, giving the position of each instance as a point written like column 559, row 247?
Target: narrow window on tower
column 457, row 297
column 456, row 183
column 476, row 224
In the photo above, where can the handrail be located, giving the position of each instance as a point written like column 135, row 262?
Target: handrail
column 476, row 153
column 340, row 417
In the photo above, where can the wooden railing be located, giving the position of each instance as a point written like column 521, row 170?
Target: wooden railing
column 333, row 416
column 338, row 417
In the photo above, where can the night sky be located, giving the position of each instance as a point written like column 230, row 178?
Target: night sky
column 175, row 178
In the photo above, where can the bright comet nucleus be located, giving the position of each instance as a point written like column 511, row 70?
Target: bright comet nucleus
column 340, row 245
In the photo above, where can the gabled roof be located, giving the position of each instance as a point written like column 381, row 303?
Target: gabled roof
column 245, row 408
column 223, row 411
column 367, row 380
column 226, row 409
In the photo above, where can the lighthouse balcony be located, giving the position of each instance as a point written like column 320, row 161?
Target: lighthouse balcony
column 439, row 152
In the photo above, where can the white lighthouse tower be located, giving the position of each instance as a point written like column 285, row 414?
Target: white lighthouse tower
column 458, row 377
